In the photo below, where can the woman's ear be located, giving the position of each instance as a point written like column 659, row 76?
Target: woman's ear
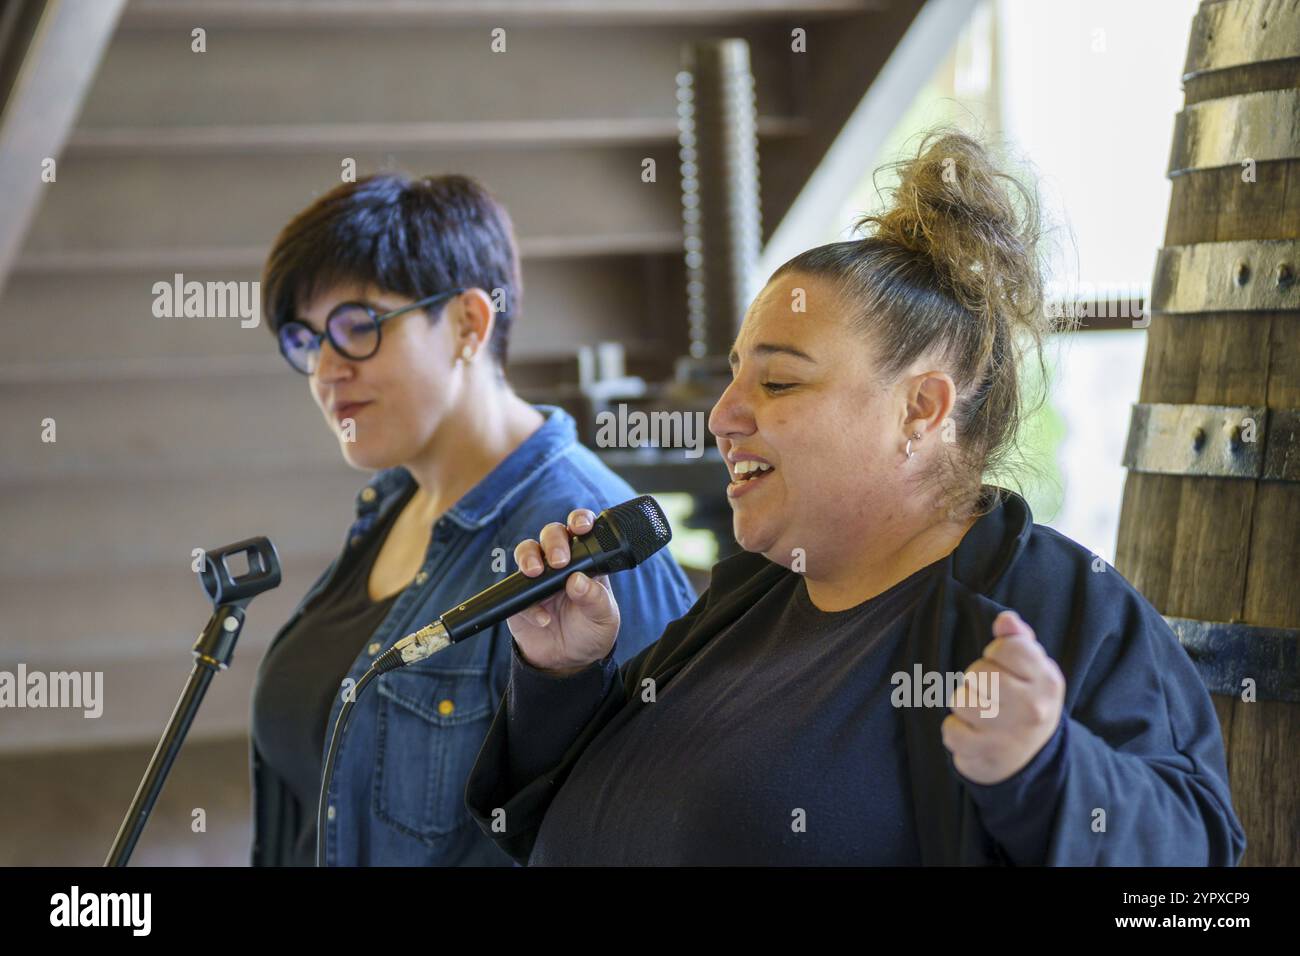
column 930, row 401
column 475, row 320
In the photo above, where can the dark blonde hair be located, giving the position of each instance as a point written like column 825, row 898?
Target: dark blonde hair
column 951, row 266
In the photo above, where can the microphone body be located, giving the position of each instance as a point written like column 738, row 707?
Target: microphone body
column 621, row 537
column 518, row 591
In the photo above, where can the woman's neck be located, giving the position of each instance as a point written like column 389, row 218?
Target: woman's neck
column 472, row 439
column 850, row 582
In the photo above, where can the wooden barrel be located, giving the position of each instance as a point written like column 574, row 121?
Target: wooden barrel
column 1210, row 526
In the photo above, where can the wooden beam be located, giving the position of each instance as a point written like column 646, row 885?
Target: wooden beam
column 635, row 299
column 261, row 139
column 58, row 63
column 100, row 261
column 387, row 13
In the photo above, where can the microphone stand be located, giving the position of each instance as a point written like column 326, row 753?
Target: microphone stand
column 212, row 653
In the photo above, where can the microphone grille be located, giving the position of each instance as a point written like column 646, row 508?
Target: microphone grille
column 643, row 525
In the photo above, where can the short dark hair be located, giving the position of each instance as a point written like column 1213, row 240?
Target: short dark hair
column 411, row 236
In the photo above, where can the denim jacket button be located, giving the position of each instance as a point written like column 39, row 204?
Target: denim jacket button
column 330, row 813
column 356, row 540
column 374, row 648
column 421, row 578
column 367, row 495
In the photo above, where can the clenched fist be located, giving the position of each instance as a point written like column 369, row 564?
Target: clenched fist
column 1030, row 695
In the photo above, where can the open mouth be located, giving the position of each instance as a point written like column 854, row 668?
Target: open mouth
column 749, row 470
column 746, row 474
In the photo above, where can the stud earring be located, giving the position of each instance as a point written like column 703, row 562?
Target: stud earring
column 467, row 354
column 910, row 453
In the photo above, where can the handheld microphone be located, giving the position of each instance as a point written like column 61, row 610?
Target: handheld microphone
column 621, row 537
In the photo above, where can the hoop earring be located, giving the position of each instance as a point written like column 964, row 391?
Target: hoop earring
column 910, row 453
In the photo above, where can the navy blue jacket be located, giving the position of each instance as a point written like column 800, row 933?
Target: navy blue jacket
column 1135, row 773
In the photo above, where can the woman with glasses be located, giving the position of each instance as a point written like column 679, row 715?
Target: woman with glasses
column 394, row 298
column 900, row 667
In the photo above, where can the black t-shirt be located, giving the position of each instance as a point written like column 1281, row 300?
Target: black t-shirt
column 305, row 669
column 776, row 744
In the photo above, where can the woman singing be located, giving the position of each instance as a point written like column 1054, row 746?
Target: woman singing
column 900, row 667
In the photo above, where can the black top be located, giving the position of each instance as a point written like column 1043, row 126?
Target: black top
column 776, row 744
column 305, row 669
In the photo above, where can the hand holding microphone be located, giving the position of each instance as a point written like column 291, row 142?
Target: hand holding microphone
column 578, row 624
column 563, row 621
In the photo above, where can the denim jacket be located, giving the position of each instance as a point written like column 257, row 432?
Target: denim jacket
column 397, row 794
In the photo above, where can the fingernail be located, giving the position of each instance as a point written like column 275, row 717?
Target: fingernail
column 543, row 618
column 557, row 556
column 582, row 521
column 580, row 583
column 532, row 564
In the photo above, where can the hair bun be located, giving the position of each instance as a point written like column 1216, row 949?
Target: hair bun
column 953, row 205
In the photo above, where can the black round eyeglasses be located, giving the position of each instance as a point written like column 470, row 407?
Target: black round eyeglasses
column 353, row 330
